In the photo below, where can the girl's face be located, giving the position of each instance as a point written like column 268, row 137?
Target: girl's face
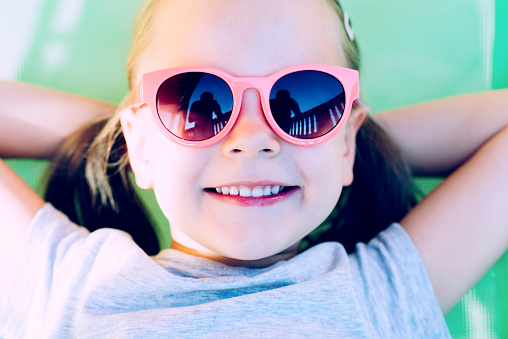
column 243, row 38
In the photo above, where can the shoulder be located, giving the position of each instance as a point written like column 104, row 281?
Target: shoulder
column 57, row 265
column 51, row 227
column 54, row 243
column 393, row 286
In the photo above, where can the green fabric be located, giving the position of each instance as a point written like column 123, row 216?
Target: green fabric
column 412, row 51
column 500, row 70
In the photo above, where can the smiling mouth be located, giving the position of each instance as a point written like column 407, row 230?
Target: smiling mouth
column 254, row 192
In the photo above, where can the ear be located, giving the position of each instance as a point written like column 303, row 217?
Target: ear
column 133, row 126
column 355, row 121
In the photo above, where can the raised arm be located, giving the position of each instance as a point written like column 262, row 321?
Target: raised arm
column 438, row 136
column 34, row 119
column 18, row 207
column 461, row 228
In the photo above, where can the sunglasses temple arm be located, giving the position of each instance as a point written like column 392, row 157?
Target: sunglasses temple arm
column 356, row 100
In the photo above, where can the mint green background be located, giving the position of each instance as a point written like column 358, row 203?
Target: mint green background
column 412, row 51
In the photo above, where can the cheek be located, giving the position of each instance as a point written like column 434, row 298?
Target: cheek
column 175, row 171
column 324, row 172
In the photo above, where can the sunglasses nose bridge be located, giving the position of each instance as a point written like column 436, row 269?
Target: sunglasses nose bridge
column 248, row 83
column 261, row 84
column 256, row 83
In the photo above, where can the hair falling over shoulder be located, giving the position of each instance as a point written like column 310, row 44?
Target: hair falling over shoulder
column 382, row 192
column 89, row 178
column 89, row 182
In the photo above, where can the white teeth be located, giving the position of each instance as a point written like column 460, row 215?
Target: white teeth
column 267, row 190
column 245, row 192
column 256, row 192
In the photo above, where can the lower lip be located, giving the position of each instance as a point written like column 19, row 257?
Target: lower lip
column 253, row 201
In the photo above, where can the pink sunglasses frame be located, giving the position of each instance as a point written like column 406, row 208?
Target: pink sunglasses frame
column 346, row 76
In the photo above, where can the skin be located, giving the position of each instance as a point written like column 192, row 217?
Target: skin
column 203, row 35
column 24, row 128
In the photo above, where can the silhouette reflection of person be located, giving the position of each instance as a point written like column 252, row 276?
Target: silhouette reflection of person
column 205, row 117
column 206, row 106
column 284, row 105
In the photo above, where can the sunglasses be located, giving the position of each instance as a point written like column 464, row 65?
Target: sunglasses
column 198, row 106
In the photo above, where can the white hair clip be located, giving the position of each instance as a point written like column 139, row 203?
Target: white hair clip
column 349, row 29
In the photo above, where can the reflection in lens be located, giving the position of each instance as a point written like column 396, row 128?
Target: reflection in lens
column 307, row 104
column 194, row 106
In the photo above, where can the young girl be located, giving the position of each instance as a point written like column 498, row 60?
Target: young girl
column 244, row 184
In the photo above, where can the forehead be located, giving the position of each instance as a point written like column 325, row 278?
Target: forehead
column 245, row 37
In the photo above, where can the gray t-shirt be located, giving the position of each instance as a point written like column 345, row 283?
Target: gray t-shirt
column 72, row 283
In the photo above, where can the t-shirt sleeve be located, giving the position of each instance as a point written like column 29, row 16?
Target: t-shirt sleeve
column 394, row 289
column 53, row 264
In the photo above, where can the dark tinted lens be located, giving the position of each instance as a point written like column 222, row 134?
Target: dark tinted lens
column 307, row 104
column 194, row 106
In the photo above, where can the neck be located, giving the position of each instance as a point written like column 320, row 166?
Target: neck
column 258, row 263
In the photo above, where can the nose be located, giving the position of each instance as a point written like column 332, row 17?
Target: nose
column 251, row 135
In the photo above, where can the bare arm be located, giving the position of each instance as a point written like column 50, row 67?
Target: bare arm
column 34, row 119
column 19, row 204
column 461, row 228
column 438, row 136
column 33, row 122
